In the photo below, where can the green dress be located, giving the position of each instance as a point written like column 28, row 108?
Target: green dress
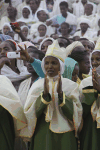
column 44, row 138
column 90, row 135
column 7, row 134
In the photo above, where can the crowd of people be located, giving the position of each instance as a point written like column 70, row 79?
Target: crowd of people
column 50, row 95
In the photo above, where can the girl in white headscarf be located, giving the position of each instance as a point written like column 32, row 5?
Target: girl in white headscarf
column 53, row 103
column 6, row 28
column 41, row 19
column 27, row 16
column 42, row 31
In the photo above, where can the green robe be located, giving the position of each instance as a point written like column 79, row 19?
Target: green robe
column 90, row 135
column 7, row 134
column 44, row 138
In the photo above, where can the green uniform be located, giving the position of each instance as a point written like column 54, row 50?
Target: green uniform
column 7, row 134
column 90, row 135
column 44, row 138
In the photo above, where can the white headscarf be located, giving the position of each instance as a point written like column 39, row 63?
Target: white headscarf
column 6, row 24
column 40, row 9
column 62, row 65
column 46, row 39
column 24, row 26
column 13, row 76
column 84, row 20
column 30, row 17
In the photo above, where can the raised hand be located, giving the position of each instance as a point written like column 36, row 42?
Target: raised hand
column 59, row 86
column 4, row 60
column 15, row 26
column 24, row 54
column 46, row 86
column 96, row 80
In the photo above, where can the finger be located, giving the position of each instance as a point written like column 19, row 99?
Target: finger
column 25, row 47
column 21, row 48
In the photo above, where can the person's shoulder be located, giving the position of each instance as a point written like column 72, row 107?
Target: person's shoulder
column 86, row 82
column 68, row 82
column 37, row 86
column 71, row 15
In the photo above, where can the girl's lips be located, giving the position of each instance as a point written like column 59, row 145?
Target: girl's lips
column 50, row 71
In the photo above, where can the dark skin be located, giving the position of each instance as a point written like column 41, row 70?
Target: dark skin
column 33, row 6
column 84, row 2
column 25, row 13
column 62, row 42
column 63, row 10
column 96, row 80
column 42, row 30
column 11, row 13
column 84, row 28
column 42, row 16
column 75, row 73
column 95, row 59
column 64, row 30
column 84, row 67
column 29, row 67
column 4, row 48
column 45, row 45
column 6, row 29
column 25, row 31
column 87, row 45
column 52, row 68
column 19, row 32
column 88, row 9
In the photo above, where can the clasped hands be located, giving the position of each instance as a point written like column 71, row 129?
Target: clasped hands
column 59, row 85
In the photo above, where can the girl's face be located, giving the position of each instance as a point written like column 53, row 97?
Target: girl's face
column 64, row 29
column 75, row 73
column 42, row 16
column 42, row 30
column 27, row 64
column 6, row 29
column 84, row 66
column 45, row 45
column 25, row 31
column 95, row 59
column 25, row 12
column 51, row 66
column 4, row 48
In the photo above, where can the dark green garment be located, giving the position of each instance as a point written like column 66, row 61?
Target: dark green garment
column 44, row 138
column 7, row 134
column 90, row 135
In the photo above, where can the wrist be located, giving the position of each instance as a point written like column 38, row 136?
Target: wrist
column 30, row 59
column 60, row 94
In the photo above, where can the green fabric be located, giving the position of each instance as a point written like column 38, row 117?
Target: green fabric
column 39, row 106
column 45, row 139
column 90, row 135
column 7, row 134
column 89, row 98
column 69, row 67
column 67, row 108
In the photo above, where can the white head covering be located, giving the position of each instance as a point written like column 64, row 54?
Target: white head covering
column 62, row 65
column 45, row 26
column 20, row 65
column 40, row 9
column 46, row 39
column 24, row 26
column 6, row 24
column 84, row 20
column 30, row 17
